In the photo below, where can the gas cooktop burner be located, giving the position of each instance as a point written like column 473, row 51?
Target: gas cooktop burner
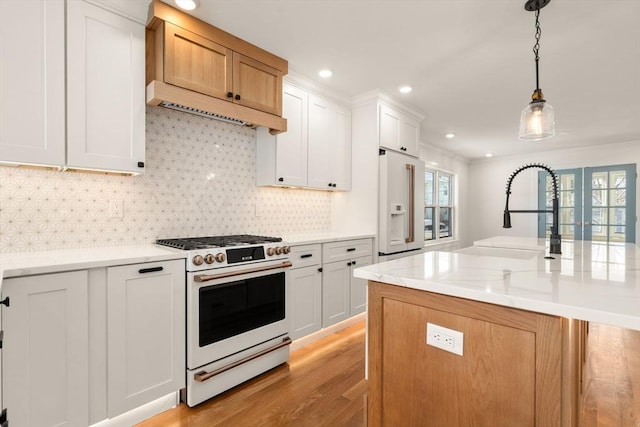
column 191, row 243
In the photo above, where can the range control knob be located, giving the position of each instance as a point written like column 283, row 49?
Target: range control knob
column 286, row 249
column 209, row 259
column 271, row 251
column 198, row 260
column 220, row 257
column 278, row 250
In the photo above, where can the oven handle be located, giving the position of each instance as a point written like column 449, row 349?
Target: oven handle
column 206, row 277
column 204, row 376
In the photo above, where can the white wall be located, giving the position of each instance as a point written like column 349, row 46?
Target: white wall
column 436, row 158
column 488, row 179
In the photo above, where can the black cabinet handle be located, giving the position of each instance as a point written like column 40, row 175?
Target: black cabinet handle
column 320, row 270
column 306, row 256
column 349, row 264
column 5, row 301
column 353, row 263
column 229, row 94
column 351, row 249
column 150, row 270
column 329, row 184
column 237, row 97
column 140, row 164
column 281, row 179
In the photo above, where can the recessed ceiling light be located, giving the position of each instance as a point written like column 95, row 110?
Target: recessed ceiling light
column 450, row 135
column 325, row 73
column 489, row 155
column 405, row 89
column 187, row 4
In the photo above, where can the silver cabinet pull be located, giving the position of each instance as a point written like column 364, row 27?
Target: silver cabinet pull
column 204, row 376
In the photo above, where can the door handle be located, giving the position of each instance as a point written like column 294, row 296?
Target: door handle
column 412, row 186
column 204, row 376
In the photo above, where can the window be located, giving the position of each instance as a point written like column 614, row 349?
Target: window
column 596, row 203
column 438, row 205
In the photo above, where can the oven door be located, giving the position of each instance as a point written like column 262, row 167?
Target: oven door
column 233, row 309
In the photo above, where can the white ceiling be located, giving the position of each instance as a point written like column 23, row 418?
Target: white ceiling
column 470, row 62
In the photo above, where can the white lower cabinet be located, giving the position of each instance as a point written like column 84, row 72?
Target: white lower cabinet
column 82, row 346
column 46, row 350
column 145, row 333
column 335, row 293
column 323, row 290
column 344, row 296
column 358, row 287
column 305, row 290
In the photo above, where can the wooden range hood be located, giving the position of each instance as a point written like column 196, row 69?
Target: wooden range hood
column 198, row 68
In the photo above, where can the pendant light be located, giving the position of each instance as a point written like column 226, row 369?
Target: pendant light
column 537, row 119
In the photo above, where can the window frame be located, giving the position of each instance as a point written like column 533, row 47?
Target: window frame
column 437, row 206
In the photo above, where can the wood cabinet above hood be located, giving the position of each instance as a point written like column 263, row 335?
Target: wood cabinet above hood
column 198, row 68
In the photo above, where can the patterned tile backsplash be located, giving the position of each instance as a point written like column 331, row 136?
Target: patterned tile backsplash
column 199, row 180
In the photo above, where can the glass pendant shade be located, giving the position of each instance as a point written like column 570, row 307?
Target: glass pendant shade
column 537, row 121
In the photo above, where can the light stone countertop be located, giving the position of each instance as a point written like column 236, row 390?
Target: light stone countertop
column 311, row 238
column 590, row 281
column 29, row 263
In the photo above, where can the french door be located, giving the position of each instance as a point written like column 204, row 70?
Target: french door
column 596, row 203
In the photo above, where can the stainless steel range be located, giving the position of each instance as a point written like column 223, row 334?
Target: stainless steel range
column 237, row 324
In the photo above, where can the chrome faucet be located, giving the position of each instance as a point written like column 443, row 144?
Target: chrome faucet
column 555, row 239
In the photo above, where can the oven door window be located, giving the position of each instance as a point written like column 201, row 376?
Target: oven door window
column 232, row 308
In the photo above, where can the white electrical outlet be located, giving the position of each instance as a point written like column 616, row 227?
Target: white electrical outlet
column 116, row 209
column 445, row 338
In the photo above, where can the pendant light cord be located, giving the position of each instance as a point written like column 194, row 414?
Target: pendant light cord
column 536, row 47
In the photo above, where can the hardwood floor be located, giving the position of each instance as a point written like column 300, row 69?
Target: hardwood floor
column 611, row 389
column 323, row 385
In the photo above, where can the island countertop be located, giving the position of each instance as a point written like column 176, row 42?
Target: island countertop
column 590, row 281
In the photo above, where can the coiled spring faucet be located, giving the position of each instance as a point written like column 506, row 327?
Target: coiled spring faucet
column 555, row 239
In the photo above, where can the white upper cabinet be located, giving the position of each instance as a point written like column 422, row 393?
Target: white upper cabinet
column 398, row 131
column 32, row 91
column 105, row 90
column 329, row 165
column 282, row 158
column 314, row 152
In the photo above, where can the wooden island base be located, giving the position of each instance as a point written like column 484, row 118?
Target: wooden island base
column 518, row 368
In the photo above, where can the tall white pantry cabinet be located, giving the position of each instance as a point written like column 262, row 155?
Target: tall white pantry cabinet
column 92, row 118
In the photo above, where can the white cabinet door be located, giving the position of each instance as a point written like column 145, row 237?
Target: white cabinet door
column 397, row 131
column 335, row 292
column 329, row 145
column 105, row 90
column 32, row 95
column 409, row 136
column 45, row 350
column 282, row 159
column 291, row 146
column 306, row 301
column 358, row 287
column 145, row 333
column 340, row 162
column 322, row 129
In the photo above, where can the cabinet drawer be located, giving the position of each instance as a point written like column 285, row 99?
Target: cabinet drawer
column 305, row 255
column 348, row 249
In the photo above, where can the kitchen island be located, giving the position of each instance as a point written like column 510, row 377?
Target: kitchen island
column 523, row 318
